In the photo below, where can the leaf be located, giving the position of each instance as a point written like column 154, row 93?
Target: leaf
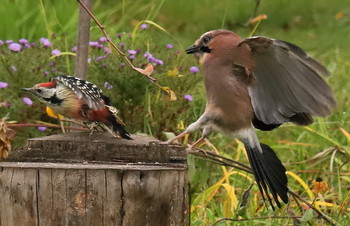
column 305, row 186
column 5, row 144
column 169, row 135
column 147, row 71
column 258, row 18
column 346, row 133
column 339, row 15
column 52, row 114
column 307, row 216
column 170, row 92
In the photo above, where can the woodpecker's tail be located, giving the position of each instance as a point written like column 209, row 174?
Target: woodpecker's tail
column 269, row 173
column 116, row 123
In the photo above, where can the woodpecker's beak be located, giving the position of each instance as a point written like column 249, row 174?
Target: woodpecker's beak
column 27, row 89
column 193, row 49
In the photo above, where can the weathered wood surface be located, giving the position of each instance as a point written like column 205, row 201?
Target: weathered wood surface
column 80, row 180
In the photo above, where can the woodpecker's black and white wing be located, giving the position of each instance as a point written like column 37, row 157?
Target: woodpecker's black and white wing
column 288, row 84
column 85, row 90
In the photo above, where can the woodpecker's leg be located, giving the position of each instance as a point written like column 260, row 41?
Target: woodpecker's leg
column 191, row 128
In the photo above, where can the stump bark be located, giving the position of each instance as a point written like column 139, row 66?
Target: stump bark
column 74, row 179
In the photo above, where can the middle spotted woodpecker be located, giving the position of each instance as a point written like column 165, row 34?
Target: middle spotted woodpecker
column 78, row 99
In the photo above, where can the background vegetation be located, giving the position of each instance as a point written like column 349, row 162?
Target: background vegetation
column 320, row 27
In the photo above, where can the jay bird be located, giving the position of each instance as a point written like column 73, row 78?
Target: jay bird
column 258, row 82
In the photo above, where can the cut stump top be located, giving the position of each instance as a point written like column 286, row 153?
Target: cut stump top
column 100, row 148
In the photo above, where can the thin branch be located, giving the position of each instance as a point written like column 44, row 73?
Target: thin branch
column 322, row 215
column 37, row 125
column 113, row 45
column 256, row 218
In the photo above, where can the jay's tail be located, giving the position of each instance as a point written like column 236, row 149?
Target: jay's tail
column 269, row 173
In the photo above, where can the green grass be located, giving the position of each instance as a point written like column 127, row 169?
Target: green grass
column 310, row 24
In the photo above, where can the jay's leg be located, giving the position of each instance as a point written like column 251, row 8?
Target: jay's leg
column 203, row 120
column 206, row 132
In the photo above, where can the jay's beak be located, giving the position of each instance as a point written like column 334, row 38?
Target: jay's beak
column 193, row 49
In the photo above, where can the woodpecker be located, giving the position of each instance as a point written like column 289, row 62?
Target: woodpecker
column 78, row 99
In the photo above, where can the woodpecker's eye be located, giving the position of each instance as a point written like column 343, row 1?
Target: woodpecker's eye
column 206, row 39
column 39, row 90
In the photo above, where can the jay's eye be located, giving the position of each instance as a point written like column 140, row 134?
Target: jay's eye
column 206, row 39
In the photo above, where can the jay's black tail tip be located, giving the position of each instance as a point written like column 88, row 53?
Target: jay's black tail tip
column 269, row 173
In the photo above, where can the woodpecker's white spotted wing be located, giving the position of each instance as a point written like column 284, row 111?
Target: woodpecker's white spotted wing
column 85, row 90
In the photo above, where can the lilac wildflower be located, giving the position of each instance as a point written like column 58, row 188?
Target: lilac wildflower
column 151, row 59
column 104, row 65
column 42, row 128
column 194, row 69
column 188, row 97
column 169, row 46
column 138, row 50
column 101, row 58
column 74, row 49
column 132, row 52
column 53, row 69
column 159, row 62
column 122, row 65
column 45, row 42
column 99, row 46
column 131, row 57
column 27, row 46
column 108, row 86
column 107, row 50
column 121, row 45
column 3, row 85
column 46, row 73
column 9, row 42
column 119, row 35
column 27, row 101
column 13, row 68
column 15, row 47
column 147, row 55
column 93, row 44
column 143, row 26
column 102, row 40
column 23, row 41
column 1, row 42
column 55, row 52
column 32, row 44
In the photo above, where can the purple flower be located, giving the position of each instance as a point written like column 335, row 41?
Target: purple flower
column 99, row 46
column 177, row 52
column 143, row 26
column 33, row 44
column 107, row 50
column 53, row 69
column 1, row 42
column 151, row 59
column 121, row 45
column 27, row 46
column 74, row 49
column 27, row 101
column 15, row 47
column 119, row 35
column 188, row 97
column 122, row 65
column 89, row 60
column 147, row 55
column 55, row 52
column 9, row 42
column 194, row 69
column 53, row 35
column 93, row 44
column 46, row 73
column 23, row 41
column 3, row 85
column 131, row 57
column 139, row 50
column 101, row 58
column 104, row 65
column 108, row 86
column 102, row 40
column 42, row 128
column 45, row 42
column 132, row 52
column 159, row 62
column 13, row 68
column 169, row 46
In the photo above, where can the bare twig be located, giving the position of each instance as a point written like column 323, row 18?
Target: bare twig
column 221, row 160
column 320, row 214
column 256, row 218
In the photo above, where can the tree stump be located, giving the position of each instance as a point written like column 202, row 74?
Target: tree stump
column 74, row 179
